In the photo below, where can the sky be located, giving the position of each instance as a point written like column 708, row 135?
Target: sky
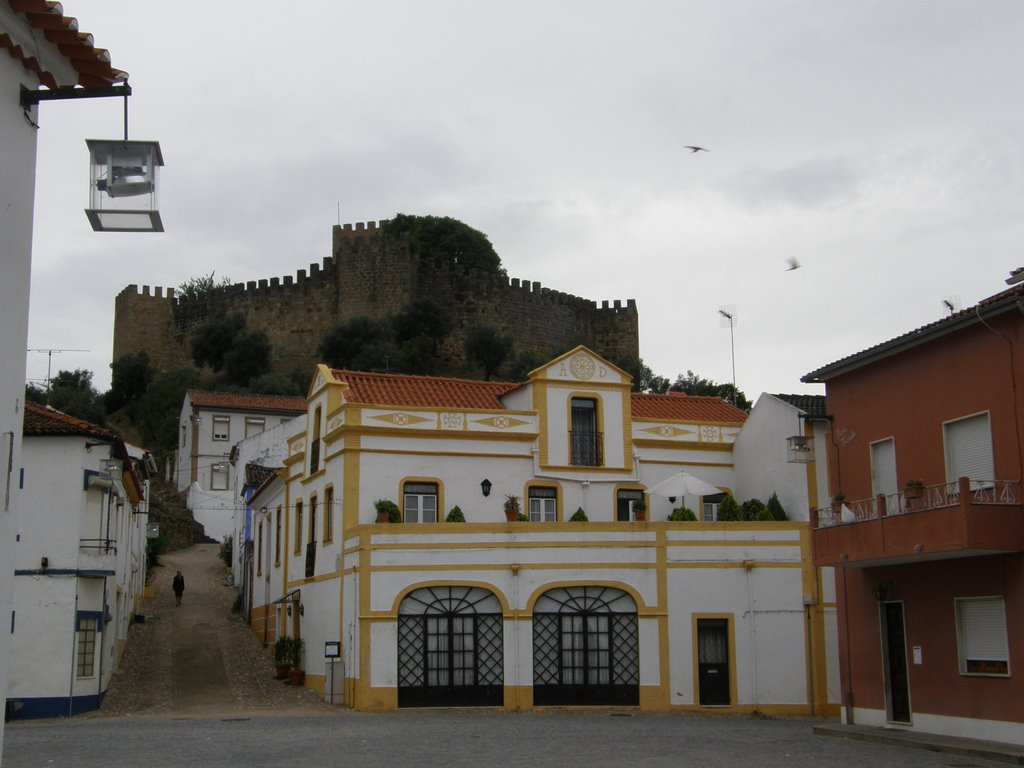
column 879, row 143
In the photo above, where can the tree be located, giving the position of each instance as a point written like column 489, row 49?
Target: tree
column 447, row 240
column 525, row 362
column 728, row 510
column 360, row 343
column 422, row 317
column 248, row 357
column 72, row 392
column 692, row 384
column 155, row 414
column 213, row 339
column 130, row 376
column 488, row 347
column 199, row 288
column 752, row 509
column 276, row 384
column 775, row 508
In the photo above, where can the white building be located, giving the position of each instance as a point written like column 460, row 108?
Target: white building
column 210, row 425
column 626, row 608
column 29, row 57
column 80, row 563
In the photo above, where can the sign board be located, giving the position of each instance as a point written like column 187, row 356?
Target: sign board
column 152, row 530
column 332, row 649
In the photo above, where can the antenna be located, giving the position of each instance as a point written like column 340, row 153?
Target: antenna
column 728, row 314
column 49, row 360
column 951, row 304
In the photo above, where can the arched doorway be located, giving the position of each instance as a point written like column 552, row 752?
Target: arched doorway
column 450, row 648
column 585, row 644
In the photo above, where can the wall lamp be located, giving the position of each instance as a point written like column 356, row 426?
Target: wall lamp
column 882, row 590
column 485, row 487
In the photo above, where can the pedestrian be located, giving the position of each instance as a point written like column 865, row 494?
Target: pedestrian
column 178, row 585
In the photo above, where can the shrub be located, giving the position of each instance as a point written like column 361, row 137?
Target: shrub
column 225, row 552
column 729, row 510
column 765, row 516
column 579, row 516
column 455, row 515
column 386, row 505
column 682, row 514
column 775, row 507
column 752, row 509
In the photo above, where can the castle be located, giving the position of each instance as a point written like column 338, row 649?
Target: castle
column 375, row 276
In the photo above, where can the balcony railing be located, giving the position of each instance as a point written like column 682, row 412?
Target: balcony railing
column 98, row 546
column 926, row 498
column 586, row 448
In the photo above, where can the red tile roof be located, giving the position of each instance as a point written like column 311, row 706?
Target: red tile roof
column 43, row 420
column 422, row 391
column 237, row 402
column 675, row 406
column 48, row 20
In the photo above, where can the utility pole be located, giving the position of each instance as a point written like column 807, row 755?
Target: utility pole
column 730, row 316
column 49, row 361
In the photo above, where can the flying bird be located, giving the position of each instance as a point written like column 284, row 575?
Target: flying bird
column 793, row 264
column 694, row 149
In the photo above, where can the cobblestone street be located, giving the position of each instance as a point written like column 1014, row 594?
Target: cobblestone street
column 199, row 658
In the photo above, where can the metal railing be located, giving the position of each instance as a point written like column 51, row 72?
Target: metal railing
column 586, row 448
column 98, row 546
column 928, row 497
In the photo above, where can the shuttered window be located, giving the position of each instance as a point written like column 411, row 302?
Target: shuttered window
column 883, row 467
column 981, row 632
column 969, row 450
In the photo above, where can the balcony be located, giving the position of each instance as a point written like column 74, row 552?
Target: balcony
column 959, row 519
column 97, row 555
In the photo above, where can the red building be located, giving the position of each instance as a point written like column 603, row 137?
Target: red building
column 927, row 530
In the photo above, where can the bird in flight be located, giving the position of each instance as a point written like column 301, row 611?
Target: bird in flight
column 694, row 149
column 793, row 264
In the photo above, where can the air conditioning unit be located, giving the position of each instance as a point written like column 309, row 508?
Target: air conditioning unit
column 801, row 449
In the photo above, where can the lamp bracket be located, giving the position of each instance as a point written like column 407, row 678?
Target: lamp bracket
column 31, row 97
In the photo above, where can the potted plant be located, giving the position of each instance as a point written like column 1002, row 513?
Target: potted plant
column 281, row 664
column 579, row 516
column 837, row 501
column 682, row 515
column 387, row 511
column 640, row 510
column 296, row 674
column 511, row 507
column 914, row 489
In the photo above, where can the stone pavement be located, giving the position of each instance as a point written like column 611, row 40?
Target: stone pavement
column 199, row 658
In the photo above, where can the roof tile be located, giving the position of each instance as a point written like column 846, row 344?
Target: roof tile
column 422, row 391
column 676, row 406
column 247, row 402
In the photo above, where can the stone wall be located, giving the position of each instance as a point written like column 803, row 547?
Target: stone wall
column 370, row 275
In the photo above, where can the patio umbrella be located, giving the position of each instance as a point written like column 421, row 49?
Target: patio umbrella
column 683, row 484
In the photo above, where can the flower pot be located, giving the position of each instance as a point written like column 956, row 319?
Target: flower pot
column 913, row 492
column 296, row 676
column 383, row 517
column 511, row 515
column 281, row 670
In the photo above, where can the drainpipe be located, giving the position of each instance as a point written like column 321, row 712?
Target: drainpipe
column 748, row 566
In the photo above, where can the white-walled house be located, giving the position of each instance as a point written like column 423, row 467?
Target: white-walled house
column 626, row 608
column 210, row 425
column 80, row 563
column 39, row 46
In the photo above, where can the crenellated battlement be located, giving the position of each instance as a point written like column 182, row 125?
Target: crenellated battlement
column 369, row 275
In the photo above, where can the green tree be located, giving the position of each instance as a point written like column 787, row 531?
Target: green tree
column 360, row 343
column 214, row 338
column 525, row 362
column 422, row 317
column 248, row 357
column 728, row 510
column 418, row 356
column 129, row 378
column 752, row 509
column 774, row 506
column 488, row 347
column 155, row 414
column 692, row 384
column 446, row 240
column 276, row 384
column 72, row 392
column 198, row 288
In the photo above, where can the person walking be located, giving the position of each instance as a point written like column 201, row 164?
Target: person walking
column 178, row 585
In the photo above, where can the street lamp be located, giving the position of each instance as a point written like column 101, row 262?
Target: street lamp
column 731, row 317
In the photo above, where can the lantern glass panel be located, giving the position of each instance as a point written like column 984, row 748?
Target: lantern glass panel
column 123, row 184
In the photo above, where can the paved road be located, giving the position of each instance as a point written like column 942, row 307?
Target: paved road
column 451, row 740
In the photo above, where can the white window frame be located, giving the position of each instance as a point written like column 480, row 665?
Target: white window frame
column 543, row 504
column 256, row 423
column 219, row 476
column 981, row 635
column 224, row 435
column 980, row 466
column 420, row 504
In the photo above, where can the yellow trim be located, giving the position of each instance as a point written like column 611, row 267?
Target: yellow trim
column 731, row 630
column 642, row 608
column 630, row 485
column 315, row 476
column 663, row 697
column 418, row 479
column 350, row 473
column 313, row 505
column 452, row 454
column 678, row 445
column 399, row 433
column 545, row 483
column 539, row 391
column 599, row 420
column 329, row 502
column 506, row 607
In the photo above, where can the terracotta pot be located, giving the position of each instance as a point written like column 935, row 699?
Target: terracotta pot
column 383, row 517
column 296, row 676
column 511, row 515
column 281, row 671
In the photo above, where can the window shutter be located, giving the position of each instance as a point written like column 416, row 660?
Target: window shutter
column 969, row 443
column 883, row 467
column 983, row 629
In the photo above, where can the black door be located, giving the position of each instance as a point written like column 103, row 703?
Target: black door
column 897, row 685
column 585, row 648
column 713, row 662
column 450, row 648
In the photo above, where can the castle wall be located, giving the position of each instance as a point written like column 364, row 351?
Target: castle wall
column 369, row 275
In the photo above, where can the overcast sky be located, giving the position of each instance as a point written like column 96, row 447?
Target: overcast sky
column 877, row 143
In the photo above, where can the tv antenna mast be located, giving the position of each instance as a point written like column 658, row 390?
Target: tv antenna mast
column 49, row 360
column 728, row 314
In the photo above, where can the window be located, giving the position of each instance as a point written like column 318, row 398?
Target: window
column 254, row 425
column 259, row 551
column 312, row 519
column 298, row 526
column 584, row 437
column 329, row 514
column 221, row 427
column 85, row 663
column 543, row 504
column 314, row 447
column 219, row 476
column 624, row 505
column 420, row 503
column 277, row 538
column 969, row 450
column 709, row 507
column 183, row 435
column 883, row 473
column 981, row 636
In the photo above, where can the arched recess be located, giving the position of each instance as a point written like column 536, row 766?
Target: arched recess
column 450, row 648
column 585, row 647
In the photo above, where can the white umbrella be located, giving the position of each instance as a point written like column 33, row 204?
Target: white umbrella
column 683, row 484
